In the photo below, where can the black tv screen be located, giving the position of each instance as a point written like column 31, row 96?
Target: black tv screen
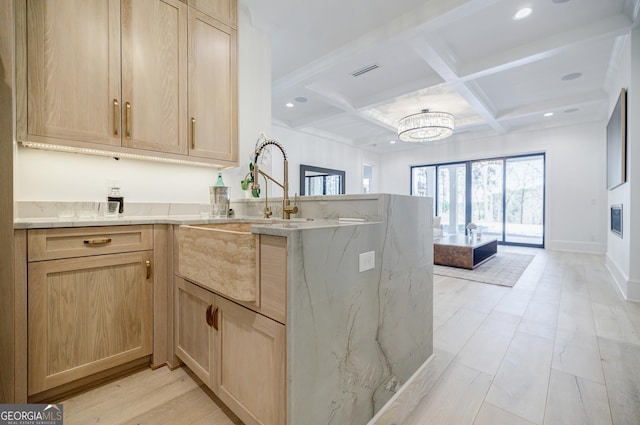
column 617, row 143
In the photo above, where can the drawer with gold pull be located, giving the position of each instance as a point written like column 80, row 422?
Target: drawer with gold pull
column 50, row 244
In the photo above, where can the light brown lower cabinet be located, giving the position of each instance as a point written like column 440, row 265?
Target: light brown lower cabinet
column 193, row 335
column 237, row 352
column 86, row 315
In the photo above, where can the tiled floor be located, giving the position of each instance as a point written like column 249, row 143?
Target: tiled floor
column 560, row 347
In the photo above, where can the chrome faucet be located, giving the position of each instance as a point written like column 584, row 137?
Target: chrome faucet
column 287, row 208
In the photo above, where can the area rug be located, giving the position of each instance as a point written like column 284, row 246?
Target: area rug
column 504, row 269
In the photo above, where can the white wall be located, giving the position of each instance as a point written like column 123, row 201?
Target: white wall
column 576, row 199
column 304, row 149
column 55, row 176
column 633, row 167
column 620, row 251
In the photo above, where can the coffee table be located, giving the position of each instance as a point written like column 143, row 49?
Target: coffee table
column 462, row 251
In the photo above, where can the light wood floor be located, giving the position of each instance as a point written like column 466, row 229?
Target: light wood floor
column 149, row 398
column 560, row 347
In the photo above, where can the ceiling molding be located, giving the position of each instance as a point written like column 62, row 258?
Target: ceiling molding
column 496, row 75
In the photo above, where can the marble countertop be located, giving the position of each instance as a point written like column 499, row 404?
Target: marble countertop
column 41, row 215
column 277, row 226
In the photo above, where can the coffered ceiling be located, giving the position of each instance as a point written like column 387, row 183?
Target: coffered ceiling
column 467, row 57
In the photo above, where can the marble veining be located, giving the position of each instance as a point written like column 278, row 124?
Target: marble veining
column 354, row 338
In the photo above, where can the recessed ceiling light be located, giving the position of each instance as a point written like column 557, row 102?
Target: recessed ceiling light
column 392, row 142
column 289, row 105
column 572, row 76
column 522, row 13
column 301, row 99
column 548, row 114
column 570, row 110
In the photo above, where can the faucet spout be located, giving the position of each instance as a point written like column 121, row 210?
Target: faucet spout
column 287, row 208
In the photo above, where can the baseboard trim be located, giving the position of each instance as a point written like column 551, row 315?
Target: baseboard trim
column 630, row 289
column 405, row 400
column 64, row 391
column 633, row 293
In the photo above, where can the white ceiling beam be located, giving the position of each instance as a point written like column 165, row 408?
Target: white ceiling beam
column 441, row 61
column 564, row 103
column 540, row 49
column 346, row 109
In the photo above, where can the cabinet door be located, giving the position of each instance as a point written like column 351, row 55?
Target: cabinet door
column 223, row 10
column 154, row 72
column 86, row 315
column 193, row 328
column 73, row 71
column 213, row 90
column 250, row 357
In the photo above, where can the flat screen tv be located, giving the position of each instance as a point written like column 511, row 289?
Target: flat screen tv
column 617, row 143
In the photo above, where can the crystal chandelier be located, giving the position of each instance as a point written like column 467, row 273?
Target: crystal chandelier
column 425, row 126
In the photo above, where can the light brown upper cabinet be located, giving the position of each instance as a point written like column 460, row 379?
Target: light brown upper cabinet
column 107, row 72
column 73, row 71
column 223, row 10
column 154, row 70
column 212, row 88
column 113, row 74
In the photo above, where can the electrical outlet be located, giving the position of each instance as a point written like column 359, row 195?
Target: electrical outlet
column 367, row 261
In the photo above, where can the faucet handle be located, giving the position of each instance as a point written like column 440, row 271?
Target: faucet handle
column 294, row 209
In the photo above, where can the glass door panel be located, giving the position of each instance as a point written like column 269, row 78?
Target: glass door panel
column 452, row 197
column 487, row 184
column 503, row 197
column 423, row 182
column 524, row 200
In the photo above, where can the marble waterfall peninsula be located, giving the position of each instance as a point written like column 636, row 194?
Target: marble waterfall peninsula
column 353, row 338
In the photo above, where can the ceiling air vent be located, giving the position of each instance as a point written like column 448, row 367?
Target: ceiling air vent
column 364, row 70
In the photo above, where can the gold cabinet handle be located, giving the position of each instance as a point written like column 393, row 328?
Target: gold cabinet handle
column 94, row 242
column 209, row 316
column 193, row 133
column 215, row 319
column 148, row 265
column 116, row 118
column 127, row 116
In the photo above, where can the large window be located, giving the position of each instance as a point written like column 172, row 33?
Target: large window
column 503, row 197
